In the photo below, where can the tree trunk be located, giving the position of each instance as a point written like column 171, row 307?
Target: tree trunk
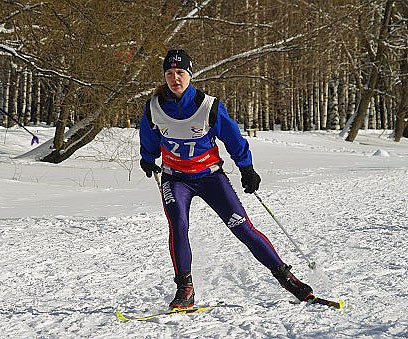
column 256, row 95
column 80, row 135
column 389, row 105
column 402, row 110
column 2, row 100
column 23, row 98
column 235, row 108
column 316, row 105
column 405, row 133
column 377, row 111
column 255, row 100
column 38, row 95
column 334, row 104
column 324, row 92
column 308, row 106
column 367, row 93
column 284, row 107
column 297, row 126
column 62, row 117
column 14, row 112
column 251, row 96
column 342, row 91
column 266, row 109
column 7, row 99
column 382, row 108
column 307, row 109
column 250, row 112
column 371, row 114
column 27, row 117
column 241, row 114
column 351, row 101
column 128, row 124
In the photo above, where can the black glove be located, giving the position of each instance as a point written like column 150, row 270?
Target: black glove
column 149, row 168
column 250, row 179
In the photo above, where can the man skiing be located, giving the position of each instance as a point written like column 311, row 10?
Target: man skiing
column 181, row 124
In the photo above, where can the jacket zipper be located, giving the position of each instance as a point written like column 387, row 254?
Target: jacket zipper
column 179, row 108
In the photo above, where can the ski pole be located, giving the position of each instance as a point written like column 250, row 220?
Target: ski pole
column 312, row 264
column 34, row 140
column 157, row 178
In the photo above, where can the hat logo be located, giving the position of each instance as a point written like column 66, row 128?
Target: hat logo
column 175, row 58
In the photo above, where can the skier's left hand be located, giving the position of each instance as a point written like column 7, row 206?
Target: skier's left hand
column 250, row 180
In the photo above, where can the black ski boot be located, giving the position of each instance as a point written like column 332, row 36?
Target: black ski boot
column 184, row 297
column 289, row 282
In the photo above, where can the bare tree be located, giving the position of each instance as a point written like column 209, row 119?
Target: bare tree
column 402, row 109
column 377, row 59
column 274, row 61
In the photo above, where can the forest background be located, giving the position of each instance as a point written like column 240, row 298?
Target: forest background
column 302, row 64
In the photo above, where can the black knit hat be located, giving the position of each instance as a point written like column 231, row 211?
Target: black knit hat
column 178, row 58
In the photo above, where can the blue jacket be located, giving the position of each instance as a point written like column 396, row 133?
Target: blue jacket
column 225, row 129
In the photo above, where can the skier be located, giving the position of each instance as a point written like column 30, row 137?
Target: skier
column 180, row 123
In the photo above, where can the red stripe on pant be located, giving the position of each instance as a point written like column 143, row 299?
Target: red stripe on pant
column 260, row 234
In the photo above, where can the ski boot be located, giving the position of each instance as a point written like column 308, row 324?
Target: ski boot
column 292, row 284
column 184, row 297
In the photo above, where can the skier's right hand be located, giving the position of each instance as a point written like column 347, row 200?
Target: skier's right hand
column 149, row 168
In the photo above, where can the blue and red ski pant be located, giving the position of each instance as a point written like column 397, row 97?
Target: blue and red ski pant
column 216, row 190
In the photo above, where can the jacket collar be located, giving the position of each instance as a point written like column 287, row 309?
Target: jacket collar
column 180, row 108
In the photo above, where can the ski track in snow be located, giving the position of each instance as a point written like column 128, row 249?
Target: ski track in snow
column 62, row 276
column 68, row 275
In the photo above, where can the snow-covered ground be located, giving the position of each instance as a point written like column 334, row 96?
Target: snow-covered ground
column 78, row 240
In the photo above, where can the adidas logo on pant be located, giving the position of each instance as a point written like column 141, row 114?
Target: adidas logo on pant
column 235, row 220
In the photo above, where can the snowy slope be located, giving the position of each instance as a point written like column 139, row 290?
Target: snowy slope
column 79, row 239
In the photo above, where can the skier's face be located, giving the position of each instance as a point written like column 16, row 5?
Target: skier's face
column 178, row 80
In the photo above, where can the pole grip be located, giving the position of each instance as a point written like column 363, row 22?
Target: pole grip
column 157, row 178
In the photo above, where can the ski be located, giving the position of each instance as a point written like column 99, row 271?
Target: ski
column 330, row 303
column 189, row 310
column 198, row 309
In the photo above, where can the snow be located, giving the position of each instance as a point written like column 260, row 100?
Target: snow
column 78, row 240
column 380, row 152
